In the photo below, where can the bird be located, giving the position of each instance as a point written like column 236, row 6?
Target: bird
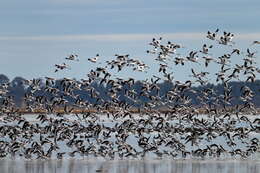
column 72, row 57
column 212, row 36
column 113, row 117
column 237, row 51
column 205, row 49
column 193, row 57
column 94, row 59
column 208, row 59
column 255, row 42
column 61, row 67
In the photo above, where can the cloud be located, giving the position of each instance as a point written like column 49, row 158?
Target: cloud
column 84, row 1
column 249, row 36
column 106, row 37
column 123, row 37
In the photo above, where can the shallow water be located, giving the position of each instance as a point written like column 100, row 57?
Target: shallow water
column 132, row 166
column 148, row 164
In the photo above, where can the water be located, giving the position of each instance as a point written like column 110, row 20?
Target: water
column 149, row 164
column 131, row 166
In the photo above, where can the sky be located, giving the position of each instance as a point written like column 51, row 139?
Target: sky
column 36, row 35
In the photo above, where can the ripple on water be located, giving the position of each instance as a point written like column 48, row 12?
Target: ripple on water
column 132, row 166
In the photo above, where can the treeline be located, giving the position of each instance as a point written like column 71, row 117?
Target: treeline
column 19, row 88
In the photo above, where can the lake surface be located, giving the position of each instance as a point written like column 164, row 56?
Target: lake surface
column 132, row 166
column 150, row 164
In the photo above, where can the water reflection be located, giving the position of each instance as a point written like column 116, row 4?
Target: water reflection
column 132, row 166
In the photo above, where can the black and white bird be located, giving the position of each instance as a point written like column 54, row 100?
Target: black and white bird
column 94, row 59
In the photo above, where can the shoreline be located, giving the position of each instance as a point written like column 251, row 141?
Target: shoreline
column 190, row 110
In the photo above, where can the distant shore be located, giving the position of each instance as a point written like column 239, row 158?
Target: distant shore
column 194, row 111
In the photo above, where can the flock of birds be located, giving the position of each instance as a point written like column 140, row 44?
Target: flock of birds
column 163, row 126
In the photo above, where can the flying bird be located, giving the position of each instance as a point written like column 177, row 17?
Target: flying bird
column 94, row 59
column 72, row 57
column 255, row 42
column 61, row 67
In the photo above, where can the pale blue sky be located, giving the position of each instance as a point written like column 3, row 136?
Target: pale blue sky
column 35, row 35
